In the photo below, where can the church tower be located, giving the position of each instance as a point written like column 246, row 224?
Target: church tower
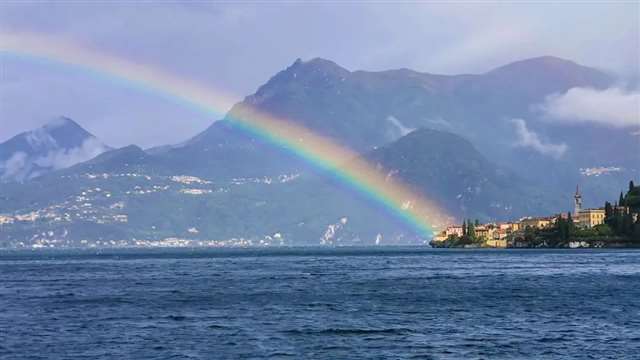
column 577, row 202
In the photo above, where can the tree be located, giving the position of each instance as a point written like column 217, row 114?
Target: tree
column 635, row 236
column 464, row 228
column 471, row 232
column 529, row 235
column 560, row 232
column 608, row 211
column 631, row 185
column 627, row 224
column 603, row 230
column 571, row 227
column 621, row 200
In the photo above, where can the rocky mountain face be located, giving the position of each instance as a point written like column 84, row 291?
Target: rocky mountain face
column 479, row 145
column 57, row 145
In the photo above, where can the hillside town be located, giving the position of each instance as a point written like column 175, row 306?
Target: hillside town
column 617, row 224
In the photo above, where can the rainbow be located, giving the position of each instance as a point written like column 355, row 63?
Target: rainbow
column 420, row 213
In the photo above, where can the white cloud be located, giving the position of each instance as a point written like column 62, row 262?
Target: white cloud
column 399, row 127
column 613, row 107
column 530, row 139
column 20, row 166
column 15, row 167
column 63, row 158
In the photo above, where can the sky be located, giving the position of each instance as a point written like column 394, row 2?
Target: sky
column 237, row 46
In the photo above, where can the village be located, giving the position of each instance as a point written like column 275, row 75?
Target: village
column 516, row 234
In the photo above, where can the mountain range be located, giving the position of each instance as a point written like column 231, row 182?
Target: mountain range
column 481, row 146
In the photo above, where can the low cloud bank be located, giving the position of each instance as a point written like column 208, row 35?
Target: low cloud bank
column 20, row 166
column 63, row 158
column 613, row 107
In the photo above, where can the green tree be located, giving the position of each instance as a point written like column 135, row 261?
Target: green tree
column 631, row 185
column 529, row 235
column 621, row 200
column 570, row 225
column 627, row 224
column 608, row 211
column 603, row 230
column 635, row 236
column 472, row 230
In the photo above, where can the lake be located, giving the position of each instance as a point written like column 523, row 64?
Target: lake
column 320, row 303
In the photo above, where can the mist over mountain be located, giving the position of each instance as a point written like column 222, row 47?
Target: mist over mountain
column 57, row 145
column 492, row 146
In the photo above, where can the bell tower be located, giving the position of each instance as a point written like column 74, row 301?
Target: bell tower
column 577, row 199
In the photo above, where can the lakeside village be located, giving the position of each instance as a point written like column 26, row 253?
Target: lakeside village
column 614, row 225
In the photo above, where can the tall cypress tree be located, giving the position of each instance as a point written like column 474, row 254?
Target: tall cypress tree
column 570, row 226
column 464, row 228
column 621, row 200
column 608, row 211
column 631, row 185
column 472, row 229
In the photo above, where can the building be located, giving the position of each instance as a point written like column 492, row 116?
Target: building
column 486, row 231
column 537, row 222
column 509, row 227
column 586, row 217
column 449, row 231
column 453, row 230
column 590, row 217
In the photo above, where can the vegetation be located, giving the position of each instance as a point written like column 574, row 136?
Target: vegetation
column 621, row 227
column 469, row 237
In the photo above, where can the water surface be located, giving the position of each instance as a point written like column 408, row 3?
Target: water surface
column 320, row 303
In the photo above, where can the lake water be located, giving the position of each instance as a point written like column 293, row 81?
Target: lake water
column 320, row 304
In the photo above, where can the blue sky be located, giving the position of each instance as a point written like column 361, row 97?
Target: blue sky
column 236, row 47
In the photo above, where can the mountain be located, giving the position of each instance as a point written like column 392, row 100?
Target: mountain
column 129, row 197
column 498, row 111
column 477, row 144
column 363, row 109
column 450, row 170
column 57, row 145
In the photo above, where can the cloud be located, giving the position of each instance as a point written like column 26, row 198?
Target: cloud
column 216, row 44
column 20, row 166
column 15, row 167
column 530, row 139
column 613, row 107
column 63, row 158
column 399, row 129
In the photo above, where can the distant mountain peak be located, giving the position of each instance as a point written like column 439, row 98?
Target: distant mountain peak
column 314, row 68
column 58, row 144
column 60, row 121
column 319, row 62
